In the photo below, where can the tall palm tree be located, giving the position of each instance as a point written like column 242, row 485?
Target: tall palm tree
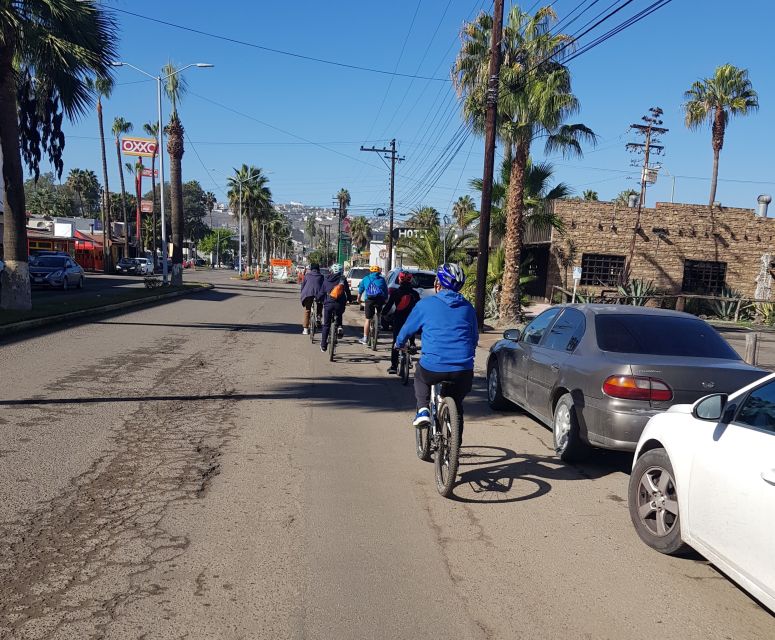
column 424, row 218
column 589, row 195
column 209, row 201
column 344, row 201
column 152, row 129
column 534, row 102
column 360, row 231
column 175, row 87
column 714, row 100
column 256, row 199
column 463, row 209
column 119, row 128
column 76, row 180
column 61, row 45
column 310, row 229
column 103, row 87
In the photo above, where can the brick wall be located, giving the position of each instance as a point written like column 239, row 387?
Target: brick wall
column 693, row 232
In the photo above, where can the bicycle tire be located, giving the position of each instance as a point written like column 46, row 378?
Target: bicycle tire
column 332, row 339
column 375, row 331
column 312, row 323
column 404, row 369
column 446, row 459
column 422, row 439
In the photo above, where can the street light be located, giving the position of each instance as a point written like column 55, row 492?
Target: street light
column 159, row 79
column 247, row 178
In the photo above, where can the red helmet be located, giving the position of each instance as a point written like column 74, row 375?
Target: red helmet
column 404, row 277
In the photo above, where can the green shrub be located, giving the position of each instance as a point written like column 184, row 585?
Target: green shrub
column 637, row 292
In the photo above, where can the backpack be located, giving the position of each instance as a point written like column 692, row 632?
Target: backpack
column 374, row 290
column 337, row 292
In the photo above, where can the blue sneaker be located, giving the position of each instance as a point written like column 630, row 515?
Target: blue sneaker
column 422, row 419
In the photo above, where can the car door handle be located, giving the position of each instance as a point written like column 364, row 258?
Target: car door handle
column 769, row 476
column 555, row 367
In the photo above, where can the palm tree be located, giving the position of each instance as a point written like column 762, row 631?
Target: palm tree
column 534, row 102
column 463, row 209
column 46, row 60
column 310, row 229
column 426, row 250
column 119, row 128
column 360, row 231
column 714, row 100
column 103, row 87
column 256, row 199
column 623, row 197
column 84, row 183
column 175, row 88
column 424, row 218
column 152, row 129
column 589, row 195
column 344, row 201
column 209, row 200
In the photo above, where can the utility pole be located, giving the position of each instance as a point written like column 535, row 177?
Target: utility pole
column 651, row 132
column 393, row 159
column 489, row 162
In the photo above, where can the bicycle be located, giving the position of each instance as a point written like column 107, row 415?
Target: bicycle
column 443, row 438
column 374, row 329
column 314, row 320
column 404, row 364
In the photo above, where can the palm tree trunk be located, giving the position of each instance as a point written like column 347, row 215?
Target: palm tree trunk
column 175, row 149
column 153, row 215
column 123, row 198
column 15, row 278
column 718, row 143
column 515, row 209
column 106, row 254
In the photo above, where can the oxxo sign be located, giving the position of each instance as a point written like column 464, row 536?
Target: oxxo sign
column 145, row 147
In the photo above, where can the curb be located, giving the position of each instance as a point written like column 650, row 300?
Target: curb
column 36, row 323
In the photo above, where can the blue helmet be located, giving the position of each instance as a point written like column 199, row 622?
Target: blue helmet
column 451, row 276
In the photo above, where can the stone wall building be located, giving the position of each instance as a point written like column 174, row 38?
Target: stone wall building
column 681, row 248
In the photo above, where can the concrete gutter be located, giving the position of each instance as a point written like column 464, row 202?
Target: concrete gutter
column 37, row 323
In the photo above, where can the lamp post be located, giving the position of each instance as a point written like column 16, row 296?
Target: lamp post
column 445, row 220
column 159, row 79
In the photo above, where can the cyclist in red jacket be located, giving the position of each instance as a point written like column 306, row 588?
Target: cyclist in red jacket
column 403, row 299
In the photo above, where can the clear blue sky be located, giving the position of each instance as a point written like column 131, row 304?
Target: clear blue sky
column 650, row 64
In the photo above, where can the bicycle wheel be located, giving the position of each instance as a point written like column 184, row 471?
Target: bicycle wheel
column 422, row 437
column 332, row 339
column 312, row 324
column 375, row 331
column 446, row 460
column 403, row 368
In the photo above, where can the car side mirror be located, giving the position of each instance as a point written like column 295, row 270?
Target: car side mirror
column 710, row 408
column 511, row 334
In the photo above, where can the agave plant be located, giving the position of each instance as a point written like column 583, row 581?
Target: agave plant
column 730, row 307
column 637, row 292
column 766, row 311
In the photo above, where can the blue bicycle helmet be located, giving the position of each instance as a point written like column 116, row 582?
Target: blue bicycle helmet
column 451, row 276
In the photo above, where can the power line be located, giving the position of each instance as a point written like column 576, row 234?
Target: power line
column 278, row 51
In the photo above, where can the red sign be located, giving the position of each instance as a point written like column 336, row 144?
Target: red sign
column 346, row 225
column 146, row 206
column 139, row 147
column 147, row 173
column 276, row 262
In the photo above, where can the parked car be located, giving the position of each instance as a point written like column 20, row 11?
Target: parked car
column 144, row 266
column 128, row 266
column 56, row 271
column 354, row 277
column 200, row 262
column 704, row 476
column 596, row 373
column 422, row 282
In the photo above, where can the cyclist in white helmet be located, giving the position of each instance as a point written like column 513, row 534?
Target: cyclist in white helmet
column 336, row 292
column 449, row 338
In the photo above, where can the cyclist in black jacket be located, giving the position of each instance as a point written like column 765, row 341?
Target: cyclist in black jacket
column 403, row 299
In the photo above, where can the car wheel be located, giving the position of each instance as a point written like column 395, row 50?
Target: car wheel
column 653, row 502
column 494, row 390
column 568, row 444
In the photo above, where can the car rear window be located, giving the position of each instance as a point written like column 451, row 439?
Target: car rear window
column 359, row 273
column 660, row 336
column 423, row 280
column 49, row 261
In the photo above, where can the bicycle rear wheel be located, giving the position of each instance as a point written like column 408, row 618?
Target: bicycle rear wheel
column 403, row 368
column 312, row 324
column 332, row 339
column 375, row 331
column 422, row 437
column 446, row 460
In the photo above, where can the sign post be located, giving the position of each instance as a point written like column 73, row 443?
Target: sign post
column 576, row 280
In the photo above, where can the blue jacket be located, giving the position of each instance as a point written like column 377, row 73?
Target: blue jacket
column 449, row 332
column 312, row 287
column 380, row 282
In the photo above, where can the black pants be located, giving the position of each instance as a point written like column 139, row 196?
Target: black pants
column 328, row 311
column 398, row 323
column 459, row 384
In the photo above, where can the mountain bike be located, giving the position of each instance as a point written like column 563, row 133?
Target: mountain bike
column 314, row 321
column 442, row 438
column 404, row 364
column 374, row 328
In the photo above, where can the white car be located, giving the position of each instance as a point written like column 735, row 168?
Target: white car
column 144, row 266
column 704, row 476
column 354, row 277
column 422, row 281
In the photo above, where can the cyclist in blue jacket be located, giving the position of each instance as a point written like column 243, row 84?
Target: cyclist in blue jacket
column 374, row 292
column 449, row 338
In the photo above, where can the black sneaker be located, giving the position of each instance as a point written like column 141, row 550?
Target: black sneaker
column 323, row 349
column 392, row 371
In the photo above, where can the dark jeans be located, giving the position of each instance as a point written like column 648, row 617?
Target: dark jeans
column 398, row 323
column 328, row 311
column 459, row 384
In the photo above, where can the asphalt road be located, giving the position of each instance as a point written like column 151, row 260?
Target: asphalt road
column 104, row 285
column 199, row 470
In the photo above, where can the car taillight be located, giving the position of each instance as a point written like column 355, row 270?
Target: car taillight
column 637, row 388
